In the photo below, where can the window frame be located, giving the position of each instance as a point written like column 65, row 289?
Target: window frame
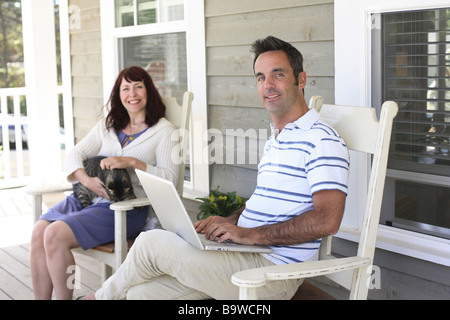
column 194, row 27
column 408, row 138
column 353, row 85
column 430, row 169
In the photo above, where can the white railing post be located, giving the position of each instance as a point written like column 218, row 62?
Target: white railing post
column 41, row 79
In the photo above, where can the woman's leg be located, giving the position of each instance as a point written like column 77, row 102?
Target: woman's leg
column 42, row 283
column 58, row 242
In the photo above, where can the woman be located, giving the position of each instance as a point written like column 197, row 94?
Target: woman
column 134, row 135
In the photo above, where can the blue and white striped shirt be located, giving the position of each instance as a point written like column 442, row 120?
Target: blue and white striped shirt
column 306, row 157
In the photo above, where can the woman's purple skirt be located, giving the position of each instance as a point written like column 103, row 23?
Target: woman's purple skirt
column 94, row 225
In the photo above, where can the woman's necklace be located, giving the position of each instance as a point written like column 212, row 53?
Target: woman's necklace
column 135, row 131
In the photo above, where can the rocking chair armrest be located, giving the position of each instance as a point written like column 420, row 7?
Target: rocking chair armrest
column 258, row 277
column 37, row 193
column 129, row 204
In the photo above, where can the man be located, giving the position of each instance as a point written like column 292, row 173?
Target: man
column 299, row 198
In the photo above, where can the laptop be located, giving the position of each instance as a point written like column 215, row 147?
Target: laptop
column 173, row 216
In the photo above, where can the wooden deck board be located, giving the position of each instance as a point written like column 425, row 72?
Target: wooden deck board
column 15, row 275
column 15, row 278
column 15, row 267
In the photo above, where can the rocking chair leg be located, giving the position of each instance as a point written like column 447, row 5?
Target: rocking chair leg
column 247, row 293
column 106, row 272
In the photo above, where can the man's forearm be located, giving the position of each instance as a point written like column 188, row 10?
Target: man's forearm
column 323, row 220
column 301, row 229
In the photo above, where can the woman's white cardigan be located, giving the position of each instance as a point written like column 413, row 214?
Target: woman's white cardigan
column 154, row 147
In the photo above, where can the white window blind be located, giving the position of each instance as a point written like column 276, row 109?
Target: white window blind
column 415, row 60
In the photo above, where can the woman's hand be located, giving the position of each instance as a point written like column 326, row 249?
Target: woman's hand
column 95, row 185
column 111, row 163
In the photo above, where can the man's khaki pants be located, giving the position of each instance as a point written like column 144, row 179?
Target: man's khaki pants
column 161, row 265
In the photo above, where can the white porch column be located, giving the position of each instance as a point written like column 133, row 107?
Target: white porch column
column 41, row 84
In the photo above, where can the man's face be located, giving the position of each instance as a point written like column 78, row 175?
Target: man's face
column 276, row 82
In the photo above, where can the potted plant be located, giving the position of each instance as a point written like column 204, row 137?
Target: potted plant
column 220, row 204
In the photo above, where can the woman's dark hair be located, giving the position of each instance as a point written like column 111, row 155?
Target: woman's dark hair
column 118, row 117
column 271, row 43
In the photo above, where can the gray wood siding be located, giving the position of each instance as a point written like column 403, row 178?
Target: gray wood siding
column 233, row 102
column 87, row 80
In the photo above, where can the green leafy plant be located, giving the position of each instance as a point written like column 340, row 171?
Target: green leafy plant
column 220, row 204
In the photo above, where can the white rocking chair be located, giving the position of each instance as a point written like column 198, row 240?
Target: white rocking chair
column 361, row 130
column 113, row 254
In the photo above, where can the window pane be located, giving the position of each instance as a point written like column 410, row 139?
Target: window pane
column 163, row 56
column 148, row 12
column 416, row 67
column 174, row 10
column 124, row 13
column 423, row 208
column 412, row 67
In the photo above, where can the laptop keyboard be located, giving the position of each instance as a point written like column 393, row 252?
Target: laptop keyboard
column 215, row 242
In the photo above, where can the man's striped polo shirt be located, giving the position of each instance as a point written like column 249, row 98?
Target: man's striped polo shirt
column 306, row 157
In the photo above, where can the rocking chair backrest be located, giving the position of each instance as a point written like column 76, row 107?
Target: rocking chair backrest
column 180, row 117
column 362, row 131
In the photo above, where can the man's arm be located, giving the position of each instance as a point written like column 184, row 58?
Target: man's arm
column 323, row 220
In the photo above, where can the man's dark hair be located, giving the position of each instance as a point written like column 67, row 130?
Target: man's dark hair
column 271, row 43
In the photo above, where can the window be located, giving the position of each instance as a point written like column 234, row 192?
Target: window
column 160, row 36
column 164, row 58
column 411, row 65
column 141, row 12
column 163, row 55
column 358, row 82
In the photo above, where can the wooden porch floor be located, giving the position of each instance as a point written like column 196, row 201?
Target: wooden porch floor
column 15, row 231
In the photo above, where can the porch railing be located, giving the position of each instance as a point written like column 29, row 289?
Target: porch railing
column 14, row 157
column 14, row 153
